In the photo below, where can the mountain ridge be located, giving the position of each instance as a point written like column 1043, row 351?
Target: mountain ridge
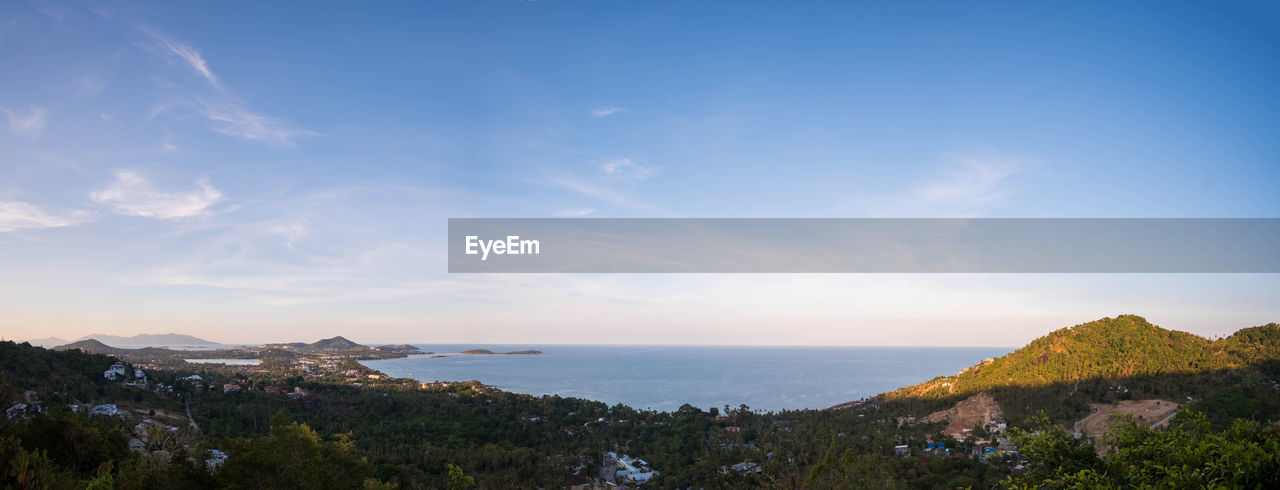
column 149, row 340
column 1107, row 360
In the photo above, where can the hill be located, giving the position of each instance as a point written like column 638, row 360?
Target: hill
column 76, row 375
column 91, row 346
column 150, row 340
column 336, row 343
column 402, row 348
column 1108, row 360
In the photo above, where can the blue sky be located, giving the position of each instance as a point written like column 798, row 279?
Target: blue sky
column 258, row 172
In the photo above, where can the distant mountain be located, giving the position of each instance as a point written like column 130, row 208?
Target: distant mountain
column 1109, row 360
column 150, row 340
column 336, row 343
column 47, row 342
column 91, row 346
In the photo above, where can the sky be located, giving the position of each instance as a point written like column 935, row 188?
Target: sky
column 253, row 171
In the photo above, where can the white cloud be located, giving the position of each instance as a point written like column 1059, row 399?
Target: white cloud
column 606, row 111
column 575, row 212
column 232, row 119
column 186, row 53
column 965, row 186
column 132, row 194
column 16, row 215
column 227, row 114
column 971, row 180
column 627, row 168
column 28, row 123
column 294, row 231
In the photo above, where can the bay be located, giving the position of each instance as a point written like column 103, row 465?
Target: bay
column 666, row 377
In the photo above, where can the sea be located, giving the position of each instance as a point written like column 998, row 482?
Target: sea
column 666, row 377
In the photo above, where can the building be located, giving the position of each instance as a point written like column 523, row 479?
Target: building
column 216, row 458
column 108, row 409
column 17, row 411
column 631, row 470
column 937, row 448
column 901, row 450
column 744, row 467
column 116, row 371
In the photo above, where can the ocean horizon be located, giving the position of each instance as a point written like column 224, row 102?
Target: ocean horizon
column 664, row 377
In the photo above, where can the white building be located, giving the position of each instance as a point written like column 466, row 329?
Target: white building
column 633, row 470
column 116, row 371
column 17, row 411
column 108, row 409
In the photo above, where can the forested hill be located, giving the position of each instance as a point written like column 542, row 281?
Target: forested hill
column 1107, row 359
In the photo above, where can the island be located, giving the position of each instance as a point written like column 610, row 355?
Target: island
column 486, row 352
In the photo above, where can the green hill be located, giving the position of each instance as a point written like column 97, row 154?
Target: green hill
column 336, row 343
column 74, row 373
column 90, row 345
column 1107, row 360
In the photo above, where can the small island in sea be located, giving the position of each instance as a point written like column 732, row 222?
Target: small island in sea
column 487, row 352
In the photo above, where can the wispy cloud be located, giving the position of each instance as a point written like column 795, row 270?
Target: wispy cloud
column 30, row 122
column 575, row 212
column 132, row 194
column 189, row 55
column 970, row 180
column 607, row 111
column 16, row 215
column 227, row 114
column 964, row 186
column 627, row 168
column 605, row 193
column 232, row 119
column 293, row 232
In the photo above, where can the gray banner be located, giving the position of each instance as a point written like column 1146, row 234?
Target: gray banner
column 864, row 245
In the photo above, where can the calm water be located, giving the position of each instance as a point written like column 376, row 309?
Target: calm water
column 229, row 362
column 665, row 377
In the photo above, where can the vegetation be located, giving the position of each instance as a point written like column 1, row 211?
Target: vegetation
column 1189, row 455
column 314, row 417
column 1107, row 360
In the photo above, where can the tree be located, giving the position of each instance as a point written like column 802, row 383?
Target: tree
column 1056, row 459
column 457, row 480
column 293, row 455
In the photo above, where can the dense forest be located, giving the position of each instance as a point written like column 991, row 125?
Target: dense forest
column 275, row 427
column 1113, row 359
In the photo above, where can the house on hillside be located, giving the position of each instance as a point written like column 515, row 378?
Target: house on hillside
column 901, row 450
column 108, row 409
column 937, row 449
column 216, row 458
column 631, row 470
column 116, row 371
column 17, row 411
